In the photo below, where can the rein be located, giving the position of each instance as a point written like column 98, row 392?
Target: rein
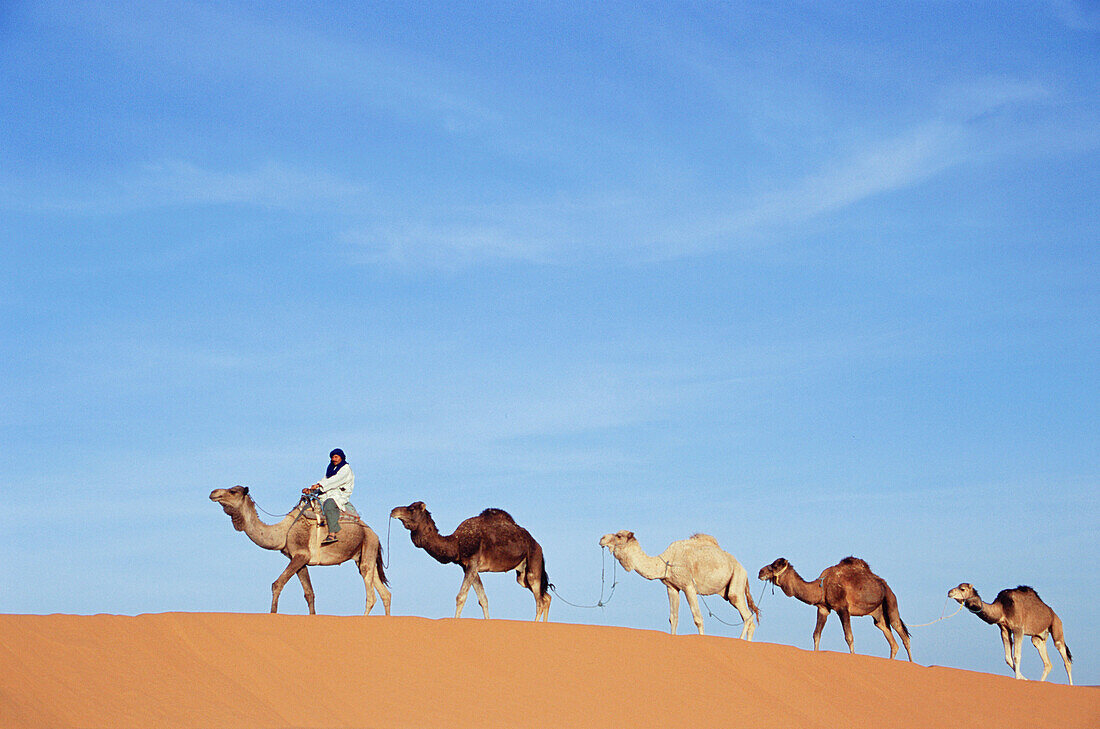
column 603, row 581
column 942, row 616
column 301, row 510
column 389, row 526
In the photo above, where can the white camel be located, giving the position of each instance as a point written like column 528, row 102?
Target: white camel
column 697, row 566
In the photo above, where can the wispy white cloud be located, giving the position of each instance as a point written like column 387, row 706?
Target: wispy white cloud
column 970, row 123
column 962, row 132
column 981, row 97
column 884, row 166
column 420, row 244
column 639, row 220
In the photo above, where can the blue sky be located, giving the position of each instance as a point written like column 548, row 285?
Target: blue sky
column 818, row 279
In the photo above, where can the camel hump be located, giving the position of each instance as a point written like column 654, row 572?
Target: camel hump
column 497, row 514
column 705, row 538
column 1023, row 591
column 855, row 562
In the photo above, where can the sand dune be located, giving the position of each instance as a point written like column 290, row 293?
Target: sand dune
column 240, row 671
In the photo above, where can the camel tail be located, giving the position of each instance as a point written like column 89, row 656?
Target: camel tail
column 893, row 616
column 1059, row 635
column 752, row 605
column 535, row 556
column 378, row 566
column 545, row 583
column 748, row 597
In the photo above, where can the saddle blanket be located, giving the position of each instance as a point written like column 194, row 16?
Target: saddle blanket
column 348, row 514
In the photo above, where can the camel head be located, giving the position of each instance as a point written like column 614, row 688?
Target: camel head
column 232, row 501
column 772, row 572
column 618, row 540
column 411, row 516
column 965, row 591
column 617, row 543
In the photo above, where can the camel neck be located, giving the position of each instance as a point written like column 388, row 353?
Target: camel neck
column 268, row 536
column 792, row 585
column 633, row 558
column 426, row 536
column 987, row 612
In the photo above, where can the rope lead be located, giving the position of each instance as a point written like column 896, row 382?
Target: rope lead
column 603, row 583
column 942, row 617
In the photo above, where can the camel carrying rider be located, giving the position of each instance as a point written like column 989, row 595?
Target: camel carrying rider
column 334, row 491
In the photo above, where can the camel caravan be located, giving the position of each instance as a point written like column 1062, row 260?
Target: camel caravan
column 492, row 541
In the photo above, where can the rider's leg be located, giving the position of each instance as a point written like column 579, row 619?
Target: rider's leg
column 332, row 517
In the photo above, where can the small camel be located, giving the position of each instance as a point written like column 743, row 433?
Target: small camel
column 849, row 588
column 1017, row 613
column 696, row 566
column 291, row 536
column 488, row 542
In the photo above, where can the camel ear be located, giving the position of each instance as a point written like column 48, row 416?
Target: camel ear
column 416, row 505
column 626, row 534
column 244, row 490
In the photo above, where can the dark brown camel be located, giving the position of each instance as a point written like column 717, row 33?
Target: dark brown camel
column 489, row 542
column 849, row 588
column 1017, row 613
column 291, row 536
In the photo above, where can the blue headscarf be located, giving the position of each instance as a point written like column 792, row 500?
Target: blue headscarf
column 331, row 470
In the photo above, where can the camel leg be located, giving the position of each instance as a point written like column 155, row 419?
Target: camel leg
column 673, row 608
column 527, row 579
column 383, row 591
column 307, row 588
column 893, row 620
column 846, row 623
column 378, row 579
column 542, row 606
column 1040, row 643
column 748, row 620
column 822, row 616
column 460, row 601
column 1063, row 650
column 1017, row 646
column 1066, row 658
column 1006, row 638
column 881, row 624
column 297, row 562
column 521, row 574
column 482, row 598
column 368, row 560
column 533, row 582
column 693, row 603
column 367, row 572
column 904, row 635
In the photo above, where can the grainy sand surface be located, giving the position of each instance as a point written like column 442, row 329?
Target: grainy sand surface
column 213, row 670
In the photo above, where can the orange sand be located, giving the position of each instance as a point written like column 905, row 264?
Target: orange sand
column 267, row 671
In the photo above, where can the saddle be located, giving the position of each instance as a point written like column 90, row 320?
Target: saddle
column 318, row 528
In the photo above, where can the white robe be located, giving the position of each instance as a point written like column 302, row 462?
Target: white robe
column 338, row 486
